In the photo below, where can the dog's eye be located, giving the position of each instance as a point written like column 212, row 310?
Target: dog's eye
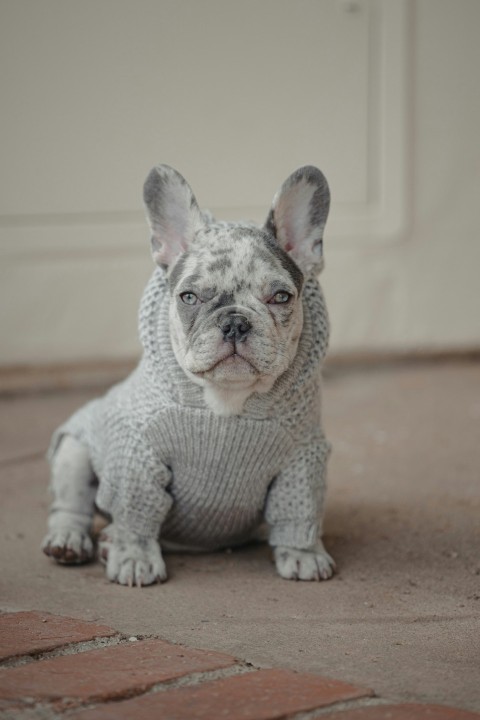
column 280, row 297
column 189, row 298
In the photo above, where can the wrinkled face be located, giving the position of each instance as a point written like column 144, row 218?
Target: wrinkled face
column 235, row 308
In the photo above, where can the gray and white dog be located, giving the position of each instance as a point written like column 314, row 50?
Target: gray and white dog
column 219, row 427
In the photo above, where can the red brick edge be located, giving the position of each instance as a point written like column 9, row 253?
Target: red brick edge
column 29, row 633
column 125, row 679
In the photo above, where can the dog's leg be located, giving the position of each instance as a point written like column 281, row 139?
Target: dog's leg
column 74, row 488
column 294, row 510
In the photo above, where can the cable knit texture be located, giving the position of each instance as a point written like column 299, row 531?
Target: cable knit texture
column 168, row 466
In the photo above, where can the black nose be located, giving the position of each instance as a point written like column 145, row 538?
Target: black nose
column 234, row 327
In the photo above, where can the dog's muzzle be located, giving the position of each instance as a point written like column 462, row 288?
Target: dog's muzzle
column 234, row 326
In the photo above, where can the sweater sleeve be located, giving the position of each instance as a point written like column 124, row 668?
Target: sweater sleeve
column 294, row 504
column 133, row 481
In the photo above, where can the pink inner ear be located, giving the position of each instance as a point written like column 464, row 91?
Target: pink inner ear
column 288, row 247
column 171, row 245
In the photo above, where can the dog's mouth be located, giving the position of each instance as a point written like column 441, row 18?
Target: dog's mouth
column 232, row 364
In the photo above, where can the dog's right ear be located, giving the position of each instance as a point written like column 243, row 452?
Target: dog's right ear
column 173, row 214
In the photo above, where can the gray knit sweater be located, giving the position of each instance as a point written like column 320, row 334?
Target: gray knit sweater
column 168, row 466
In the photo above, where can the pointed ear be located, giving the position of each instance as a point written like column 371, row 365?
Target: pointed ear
column 173, row 214
column 298, row 216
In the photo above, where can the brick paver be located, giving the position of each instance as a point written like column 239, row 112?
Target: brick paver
column 124, row 671
column 403, row 712
column 106, row 673
column 260, row 695
column 24, row 633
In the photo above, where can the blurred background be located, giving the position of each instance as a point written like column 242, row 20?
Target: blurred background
column 382, row 95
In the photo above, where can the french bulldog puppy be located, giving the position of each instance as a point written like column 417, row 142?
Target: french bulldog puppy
column 219, row 428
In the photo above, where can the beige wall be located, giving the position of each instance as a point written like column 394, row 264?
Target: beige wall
column 381, row 94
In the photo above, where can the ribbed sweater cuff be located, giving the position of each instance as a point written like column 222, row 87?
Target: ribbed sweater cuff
column 135, row 522
column 301, row 535
column 142, row 526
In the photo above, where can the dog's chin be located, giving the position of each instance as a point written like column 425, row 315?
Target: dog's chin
column 229, row 382
column 234, row 370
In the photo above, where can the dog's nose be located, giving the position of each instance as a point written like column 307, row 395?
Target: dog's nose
column 235, row 327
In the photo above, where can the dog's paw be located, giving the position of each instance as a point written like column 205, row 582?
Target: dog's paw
column 68, row 546
column 133, row 561
column 293, row 564
column 104, row 542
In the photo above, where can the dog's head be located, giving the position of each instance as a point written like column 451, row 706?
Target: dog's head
column 235, row 289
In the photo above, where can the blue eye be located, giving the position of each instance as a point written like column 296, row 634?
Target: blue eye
column 280, row 298
column 189, row 298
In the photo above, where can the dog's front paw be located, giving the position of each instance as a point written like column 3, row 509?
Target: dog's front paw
column 293, row 564
column 68, row 545
column 135, row 561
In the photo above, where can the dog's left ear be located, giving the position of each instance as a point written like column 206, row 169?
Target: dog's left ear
column 298, row 216
column 173, row 213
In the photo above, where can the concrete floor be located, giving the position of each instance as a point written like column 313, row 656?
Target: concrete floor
column 403, row 522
